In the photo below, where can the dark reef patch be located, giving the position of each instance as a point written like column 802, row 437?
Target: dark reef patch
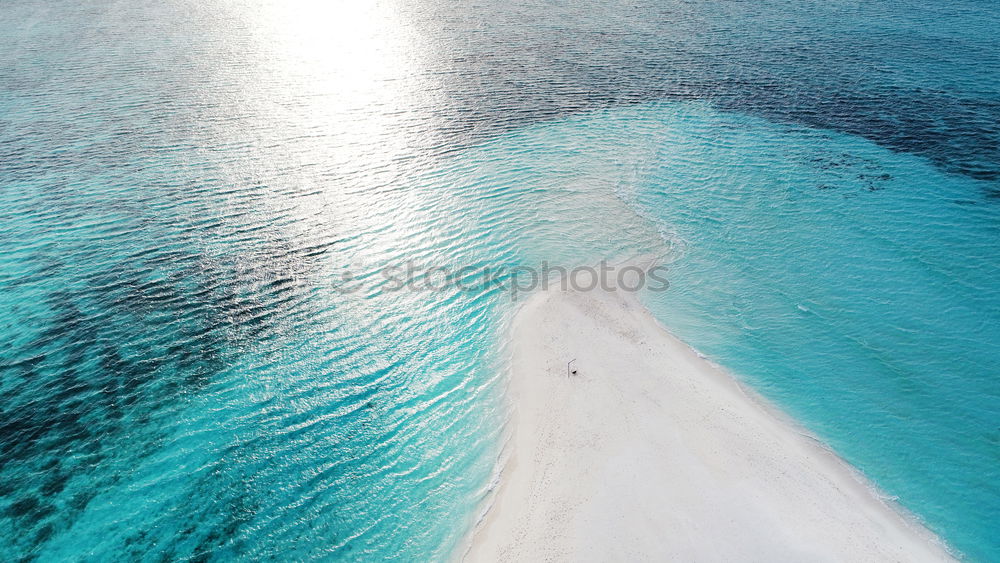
column 119, row 346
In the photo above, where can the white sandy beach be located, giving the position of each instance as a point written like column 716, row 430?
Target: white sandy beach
column 653, row 453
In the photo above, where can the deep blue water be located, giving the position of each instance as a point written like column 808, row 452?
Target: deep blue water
column 201, row 357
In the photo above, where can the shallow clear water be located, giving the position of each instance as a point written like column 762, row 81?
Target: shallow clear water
column 202, row 357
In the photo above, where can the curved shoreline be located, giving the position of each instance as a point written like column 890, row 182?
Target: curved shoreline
column 652, row 452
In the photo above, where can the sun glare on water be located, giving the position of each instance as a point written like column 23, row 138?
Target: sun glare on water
column 339, row 85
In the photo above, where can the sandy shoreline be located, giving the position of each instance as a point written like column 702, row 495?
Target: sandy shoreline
column 651, row 452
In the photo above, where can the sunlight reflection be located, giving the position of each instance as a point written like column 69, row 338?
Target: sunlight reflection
column 341, row 82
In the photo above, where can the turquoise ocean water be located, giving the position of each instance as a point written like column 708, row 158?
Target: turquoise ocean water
column 202, row 357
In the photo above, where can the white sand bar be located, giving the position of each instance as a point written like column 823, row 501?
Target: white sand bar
column 653, row 453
